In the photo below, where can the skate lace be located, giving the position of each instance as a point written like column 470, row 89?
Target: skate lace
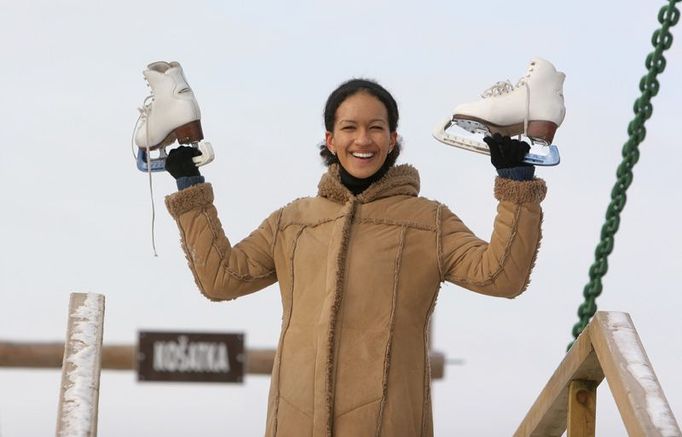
column 145, row 110
column 524, row 80
column 505, row 87
column 500, row 88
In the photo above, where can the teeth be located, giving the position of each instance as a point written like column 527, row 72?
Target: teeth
column 363, row 155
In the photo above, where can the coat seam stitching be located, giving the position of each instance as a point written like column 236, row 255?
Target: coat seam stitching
column 534, row 258
column 373, row 401
column 190, row 260
column 439, row 243
column 389, row 345
column 221, row 253
column 427, row 361
column 336, row 305
column 294, row 407
column 409, row 224
column 274, row 238
column 503, row 260
column 286, row 328
column 313, row 225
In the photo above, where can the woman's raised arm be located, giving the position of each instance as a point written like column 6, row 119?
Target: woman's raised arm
column 221, row 271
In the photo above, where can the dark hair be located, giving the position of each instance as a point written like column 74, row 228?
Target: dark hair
column 348, row 89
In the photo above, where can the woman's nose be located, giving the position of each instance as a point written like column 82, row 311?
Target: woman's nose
column 363, row 138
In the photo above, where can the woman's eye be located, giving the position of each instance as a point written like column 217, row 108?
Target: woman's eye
column 348, row 128
column 377, row 127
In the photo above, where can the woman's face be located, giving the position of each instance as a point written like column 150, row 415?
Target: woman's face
column 361, row 138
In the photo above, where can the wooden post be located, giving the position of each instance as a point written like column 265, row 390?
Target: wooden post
column 638, row 394
column 547, row 417
column 79, row 391
column 582, row 408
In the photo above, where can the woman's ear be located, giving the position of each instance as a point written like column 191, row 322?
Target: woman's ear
column 393, row 142
column 329, row 141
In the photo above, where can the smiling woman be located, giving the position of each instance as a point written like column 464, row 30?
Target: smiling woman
column 360, row 137
column 377, row 111
column 359, row 268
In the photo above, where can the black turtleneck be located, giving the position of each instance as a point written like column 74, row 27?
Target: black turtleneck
column 357, row 185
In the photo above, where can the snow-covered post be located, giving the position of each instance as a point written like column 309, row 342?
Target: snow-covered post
column 79, row 392
column 638, row 394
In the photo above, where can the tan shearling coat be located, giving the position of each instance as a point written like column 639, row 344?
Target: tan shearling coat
column 359, row 276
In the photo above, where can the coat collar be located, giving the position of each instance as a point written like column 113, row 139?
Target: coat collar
column 399, row 180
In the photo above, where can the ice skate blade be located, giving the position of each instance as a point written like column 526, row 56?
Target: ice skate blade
column 159, row 164
column 154, row 165
column 440, row 133
column 552, row 157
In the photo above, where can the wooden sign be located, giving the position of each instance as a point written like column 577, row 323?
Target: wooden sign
column 190, row 357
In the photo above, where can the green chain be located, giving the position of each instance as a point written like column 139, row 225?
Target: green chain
column 662, row 39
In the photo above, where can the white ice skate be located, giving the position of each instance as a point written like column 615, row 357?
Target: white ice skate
column 534, row 108
column 168, row 114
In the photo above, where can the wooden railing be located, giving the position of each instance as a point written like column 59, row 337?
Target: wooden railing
column 48, row 355
column 609, row 347
column 82, row 357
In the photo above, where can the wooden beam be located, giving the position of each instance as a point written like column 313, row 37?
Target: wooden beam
column 437, row 365
column 631, row 378
column 260, row 361
column 50, row 355
column 582, row 408
column 547, row 417
column 122, row 357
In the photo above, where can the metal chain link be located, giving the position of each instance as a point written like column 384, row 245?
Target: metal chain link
column 662, row 39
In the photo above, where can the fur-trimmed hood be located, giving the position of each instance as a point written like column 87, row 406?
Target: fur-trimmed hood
column 398, row 180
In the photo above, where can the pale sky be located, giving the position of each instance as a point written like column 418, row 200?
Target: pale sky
column 77, row 213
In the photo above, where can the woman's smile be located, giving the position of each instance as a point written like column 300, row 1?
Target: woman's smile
column 363, row 155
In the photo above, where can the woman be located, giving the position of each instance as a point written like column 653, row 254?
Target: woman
column 359, row 267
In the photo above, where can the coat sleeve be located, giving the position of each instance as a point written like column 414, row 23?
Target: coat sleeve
column 501, row 267
column 222, row 272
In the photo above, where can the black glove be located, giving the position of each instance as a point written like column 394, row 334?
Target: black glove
column 179, row 162
column 506, row 152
